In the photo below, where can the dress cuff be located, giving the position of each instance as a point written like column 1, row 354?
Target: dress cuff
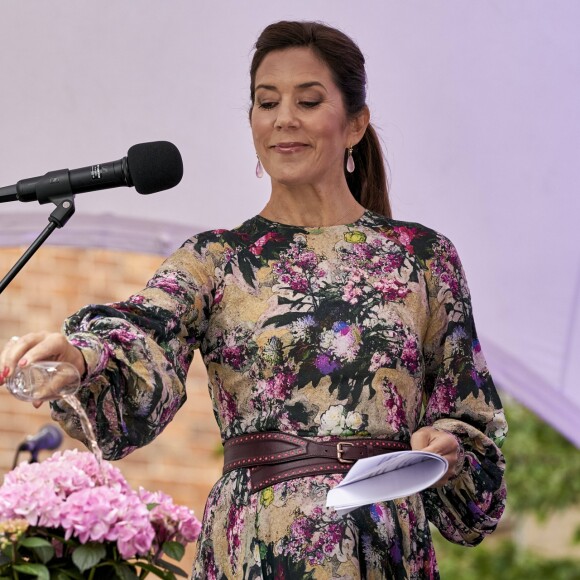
column 94, row 353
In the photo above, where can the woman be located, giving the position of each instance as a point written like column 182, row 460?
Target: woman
column 321, row 318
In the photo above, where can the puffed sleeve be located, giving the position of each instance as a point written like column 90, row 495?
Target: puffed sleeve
column 460, row 398
column 138, row 353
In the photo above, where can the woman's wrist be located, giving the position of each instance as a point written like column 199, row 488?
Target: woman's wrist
column 460, row 458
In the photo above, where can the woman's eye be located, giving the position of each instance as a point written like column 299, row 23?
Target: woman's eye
column 267, row 105
column 310, row 104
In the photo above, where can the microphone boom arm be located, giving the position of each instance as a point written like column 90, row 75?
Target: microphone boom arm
column 65, row 208
column 149, row 167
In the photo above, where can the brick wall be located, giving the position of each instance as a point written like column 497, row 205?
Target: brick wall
column 184, row 461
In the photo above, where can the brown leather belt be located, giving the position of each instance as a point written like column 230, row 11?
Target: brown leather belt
column 274, row 457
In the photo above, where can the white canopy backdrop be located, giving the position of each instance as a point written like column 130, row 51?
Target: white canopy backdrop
column 478, row 105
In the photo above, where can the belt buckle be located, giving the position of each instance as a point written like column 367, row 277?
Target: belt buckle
column 340, row 451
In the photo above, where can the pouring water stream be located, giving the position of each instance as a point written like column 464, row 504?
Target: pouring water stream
column 51, row 381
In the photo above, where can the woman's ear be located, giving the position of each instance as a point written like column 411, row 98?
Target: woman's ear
column 359, row 124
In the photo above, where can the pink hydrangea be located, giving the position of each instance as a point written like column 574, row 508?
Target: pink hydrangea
column 101, row 514
column 177, row 522
column 93, row 502
column 30, row 500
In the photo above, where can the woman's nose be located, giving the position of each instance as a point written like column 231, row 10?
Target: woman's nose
column 286, row 117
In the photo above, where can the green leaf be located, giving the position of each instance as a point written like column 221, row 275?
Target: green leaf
column 62, row 575
column 41, row 548
column 155, row 570
column 174, row 550
column 35, row 543
column 172, row 568
column 88, row 555
column 125, row 572
column 44, row 553
column 150, row 506
column 38, row 570
column 65, row 573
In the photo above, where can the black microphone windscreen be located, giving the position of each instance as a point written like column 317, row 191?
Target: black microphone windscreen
column 154, row 166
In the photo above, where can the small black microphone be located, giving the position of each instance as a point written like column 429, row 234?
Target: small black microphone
column 49, row 437
column 150, row 167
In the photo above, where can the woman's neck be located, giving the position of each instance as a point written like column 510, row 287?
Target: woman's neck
column 312, row 208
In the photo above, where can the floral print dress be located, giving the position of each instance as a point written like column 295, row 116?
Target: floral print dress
column 358, row 330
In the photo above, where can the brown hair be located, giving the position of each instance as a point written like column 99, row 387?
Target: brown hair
column 368, row 182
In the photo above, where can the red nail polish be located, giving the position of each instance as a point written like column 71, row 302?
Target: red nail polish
column 5, row 371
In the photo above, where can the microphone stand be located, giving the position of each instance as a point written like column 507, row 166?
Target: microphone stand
column 33, row 456
column 65, row 208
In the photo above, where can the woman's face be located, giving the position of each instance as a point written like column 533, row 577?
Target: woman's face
column 298, row 119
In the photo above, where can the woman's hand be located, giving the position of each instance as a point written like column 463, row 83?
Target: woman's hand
column 442, row 443
column 38, row 346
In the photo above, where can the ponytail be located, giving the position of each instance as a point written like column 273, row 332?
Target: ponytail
column 368, row 181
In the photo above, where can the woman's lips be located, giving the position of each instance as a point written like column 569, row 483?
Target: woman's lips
column 291, row 147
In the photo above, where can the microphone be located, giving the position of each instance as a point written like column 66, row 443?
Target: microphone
column 150, row 167
column 49, row 437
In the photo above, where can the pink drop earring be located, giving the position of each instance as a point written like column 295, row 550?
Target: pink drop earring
column 259, row 169
column 350, row 161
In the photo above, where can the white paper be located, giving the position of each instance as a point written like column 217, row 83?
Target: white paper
column 386, row 477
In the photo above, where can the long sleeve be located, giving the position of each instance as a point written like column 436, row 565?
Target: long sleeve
column 460, row 397
column 138, row 353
